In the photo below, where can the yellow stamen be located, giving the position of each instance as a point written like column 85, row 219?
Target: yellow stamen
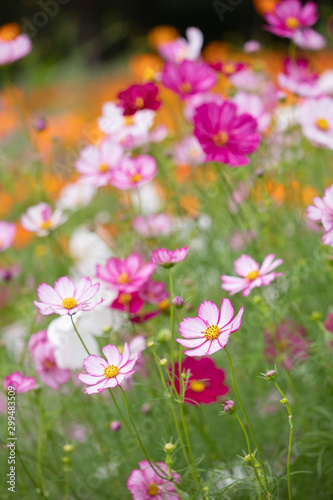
column 229, row 68
column 164, row 305
column 292, row 23
column 124, row 298
column 9, row 32
column 69, row 303
column 252, row 275
column 46, row 224
column 220, row 139
column 136, row 178
column 322, row 124
column 103, row 168
column 139, row 102
column 111, row 371
column 129, row 120
column 153, row 490
column 48, row 364
column 123, row 279
column 212, row 332
column 185, row 87
column 197, row 386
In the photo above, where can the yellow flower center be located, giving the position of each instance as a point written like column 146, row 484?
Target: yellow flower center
column 103, row 168
column 136, row 178
column 46, row 224
column 139, row 102
column 220, row 139
column 252, row 275
column 212, row 332
column 49, row 364
column 69, row 303
column 129, row 120
column 124, row 298
column 111, row 371
column 197, row 386
column 229, row 68
column 9, row 32
column 185, row 87
column 123, row 279
column 322, row 124
column 164, row 305
column 292, row 23
column 153, row 490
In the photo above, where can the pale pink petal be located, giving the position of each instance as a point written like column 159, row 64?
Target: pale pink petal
column 65, row 287
column 209, row 312
column 192, row 327
column 245, row 265
column 236, row 323
column 48, row 294
column 89, row 379
column 268, row 264
column 112, row 354
column 199, row 351
column 125, row 356
column 95, row 365
column 227, row 312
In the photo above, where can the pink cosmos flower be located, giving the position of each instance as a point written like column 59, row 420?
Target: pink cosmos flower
column 134, row 172
column 316, row 119
column 103, row 374
column 225, row 135
column 290, row 16
column 288, row 345
column 40, row 219
column 188, row 78
column 66, row 298
column 251, row 46
column 309, row 39
column 145, row 484
column 251, row 274
column 210, row 330
column 96, row 164
column 167, row 258
column 7, row 234
column 298, row 78
column 13, row 44
column 138, row 97
column 227, row 68
column 152, row 225
column 253, row 105
column 322, row 211
column 127, row 275
column 189, row 152
column 153, row 292
column 205, row 383
column 19, row 381
column 43, row 355
column 180, row 49
column 195, row 101
column 128, row 302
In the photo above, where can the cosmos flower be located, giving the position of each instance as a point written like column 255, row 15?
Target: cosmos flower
column 227, row 68
column 188, row 78
column 152, row 225
column 19, row 381
column 40, row 219
column 252, row 275
column 167, row 258
column 137, row 97
column 75, row 195
column 66, row 298
column 103, row 374
column 205, row 382
column 322, row 211
column 299, row 79
column 177, row 50
column 290, row 16
column 253, row 105
column 13, row 44
column 210, row 330
column 189, row 152
column 145, row 484
column 225, row 135
column 133, row 172
column 316, row 119
column 7, row 234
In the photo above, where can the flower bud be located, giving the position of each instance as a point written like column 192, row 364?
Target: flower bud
column 271, row 375
column 163, row 362
column 284, row 401
column 115, row 425
column 164, row 335
column 229, row 406
column 328, row 322
column 68, row 448
column 316, row 316
column 151, row 344
column 178, row 302
column 169, row 447
column 40, row 124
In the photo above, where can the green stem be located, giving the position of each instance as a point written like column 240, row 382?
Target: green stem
column 245, row 416
column 181, row 382
column 40, row 442
column 291, row 428
column 172, row 326
column 84, row 345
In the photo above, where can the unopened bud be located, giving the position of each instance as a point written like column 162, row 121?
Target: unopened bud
column 271, row 375
column 163, row 362
column 229, row 406
column 169, row 447
column 115, row 425
column 40, row 124
column 178, row 302
column 151, row 344
column 68, row 448
column 284, row 401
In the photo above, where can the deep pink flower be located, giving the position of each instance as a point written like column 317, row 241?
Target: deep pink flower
column 127, row 275
column 290, row 16
column 227, row 68
column 13, row 44
column 210, row 330
column 316, row 119
column 142, row 318
column 145, row 484
column 7, row 234
column 103, row 374
column 133, row 172
column 128, row 302
column 40, row 219
column 167, row 258
column 252, row 274
column 322, row 211
column 329, row 322
column 298, row 78
column 287, row 345
column 19, row 381
column 224, row 136
column 153, row 292
column 43, row 355
column 66, row 298
column 138, row 97
column 180, row 49
column 205, row 383
column 188, row 78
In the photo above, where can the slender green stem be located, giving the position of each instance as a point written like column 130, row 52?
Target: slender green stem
column 195, row 471
column 245, row 416
column 67, row 482
column 40, row 442
column 291, row 428
column 84, row 345
column 181, row 381
column 172, row 326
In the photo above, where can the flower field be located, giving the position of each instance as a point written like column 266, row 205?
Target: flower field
column 166, row 234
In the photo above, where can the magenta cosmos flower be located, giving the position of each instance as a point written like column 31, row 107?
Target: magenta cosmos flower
column 66, row 298
column 7, row 234
column 133, row 172
column 205, row 383
column 322, row 211
column 137, row 97
column 210, row 330
column 316, row 119
column 19, row 381
column 97, row 163
column 127, row 275
column 40, row 219
column 290, row 16
column 224, row 135
column 188, row 78
column 145, row 484
column 13, row 44
column 168, row 258
column 298, row 78
column 227, row 68
column 252, row 275
column 103, row 374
